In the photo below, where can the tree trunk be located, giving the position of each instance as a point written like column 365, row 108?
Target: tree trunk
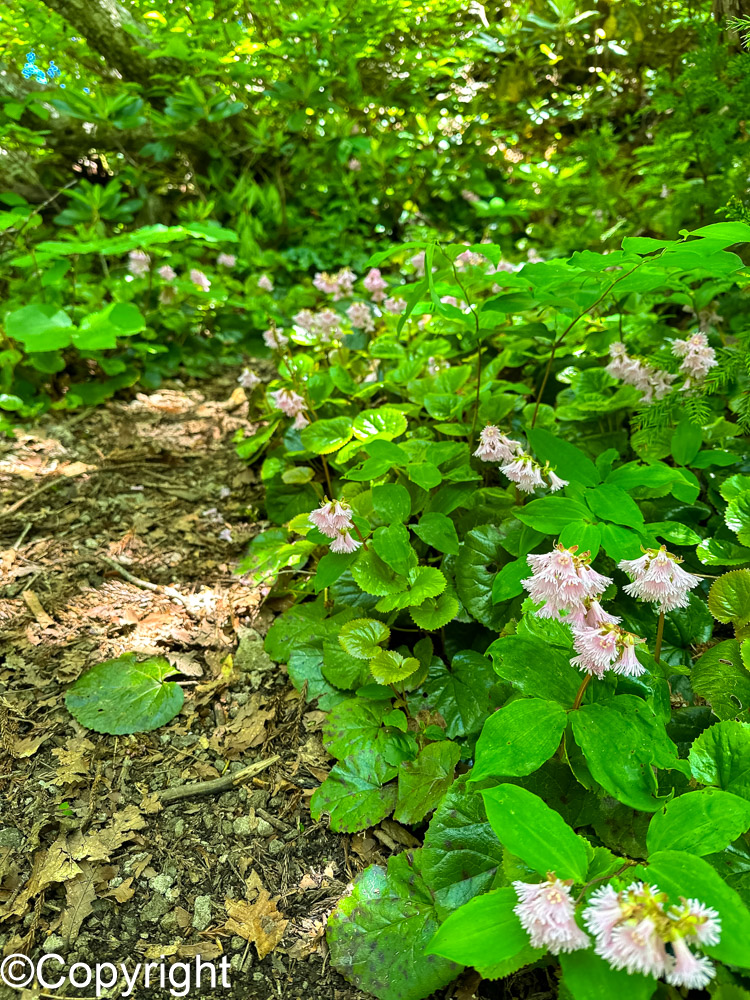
column 102, row 23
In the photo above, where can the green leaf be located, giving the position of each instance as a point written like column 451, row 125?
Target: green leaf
column 353, row 726
column 699, row 822
column 376, row 577
column 305, row 666
column 341, row 669
column 461, row 855
column 100, row 330
column 686, row 441
column 589, row 977
column 391, row 502
column 485, row 932
column 620, row 542
column 39, row 327
column 461, row 694
column 551, row 514
column 612, row 503
column 389, row 667
column 423, row 782
column 325, row 436
column 535, row 668
column 685, row 875
column 439, row 531
column 378, row 933
column 737, row 517
column 722, row 679
column 717, row 552
column 720, row 756
column 435, row 612
column 355, row 794
column 622, row 741
column 126, row 695
column 331, row 567
column 568, row 461
column 301, row 623
column 385, row 422
column 481, row 556
column 729, row 597
column 361, row 637
column 588, row 537
column 672, row 531
column 392, row 544
column 423, row 581
column 424, row 474
column 534, row 832
column 518, row 738
column 507, row 583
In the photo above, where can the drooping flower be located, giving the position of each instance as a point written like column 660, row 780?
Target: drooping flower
column 265, row 284
column 325, row 282
column 167, row 272
column 654, row 383
column 524, row 472
column 289, row 402
column 354, row 165
column 345, row 542
column 326, row 323
column 471, row 196
column 418, row 263
column 633, row 931
column 394, row 305
column 469, row 259
column 139, row 263
column 496, row 447
column 332, row 517
column 606, row 647
column 305, row 319
column 226, row 260
column 167, row 295
column 248, row 379
column 565, row 582
column 274, row 338
column 375, row 284
column 657, row 577
column 698, row 358
column 555, row 482
column 360, row 316
column 200, row 279
column 547, row 913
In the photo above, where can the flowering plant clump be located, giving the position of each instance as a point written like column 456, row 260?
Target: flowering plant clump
column 657, row 576
column 567, row 585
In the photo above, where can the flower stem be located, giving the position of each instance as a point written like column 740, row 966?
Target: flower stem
column 659, row 637
column 361, row 536
column 581, row 690
column 328, row 478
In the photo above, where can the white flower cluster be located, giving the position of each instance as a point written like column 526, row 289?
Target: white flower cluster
column 334, row 519
column 654, row 383
column 698, row 358
column 518, row 465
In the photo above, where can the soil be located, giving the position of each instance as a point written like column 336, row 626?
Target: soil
column 121, row 530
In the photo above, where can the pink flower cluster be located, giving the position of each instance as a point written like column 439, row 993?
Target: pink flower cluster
column 657, row 577
column 417, row 262
column 360, row 316
column 200, row 279
column 338, row 285
column 265, row 284
column 469, row 259
column 334, row 519
column 248, row 379
column 632, row 929
column 654, row 383
column 605, row 646
column 519, row 466
column 226, row 260
column 291, row 404
column 326, row 323
column 567, row 585
column 167, row 272
column 394, row 304
column 139, row 263
column 274, row 338
column 375, row 284
column 547, row 913
column 698, row 358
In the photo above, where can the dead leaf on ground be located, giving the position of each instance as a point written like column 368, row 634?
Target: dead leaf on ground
column 259, row 922
column 100, row 845
column 79, row 899
column 51, row 867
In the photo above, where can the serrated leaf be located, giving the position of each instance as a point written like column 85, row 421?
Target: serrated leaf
column 356, row 793
column 423, row 582
column 361, row 637
column 385, row 422
column 423, row 782
column 322, row 437
column 729, row 597
column 353, row 726
column 389, row 667
column 481, row 556
column 376, row 577
column 126, row 695
column 461, row 695
column 721, row 677
column 435, row 612
column 720, row 756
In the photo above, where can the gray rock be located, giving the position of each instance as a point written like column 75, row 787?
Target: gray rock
column 169, row 922
column 155, row 909
column 54, row 943
column 161, row 883
column 179, row 828
column 264, row 828
column 244, row 826
column 276, row 847
column 202, row 912
column 250, row 655
column 11, row 837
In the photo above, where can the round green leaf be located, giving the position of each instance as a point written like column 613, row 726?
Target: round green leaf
column 361, row 637
column 729, row 597
column 298, row 474
column 325, row 436
column 518, row 738
column 435, row 612
column 388, row 666
column 125, row 696
column 385, row 422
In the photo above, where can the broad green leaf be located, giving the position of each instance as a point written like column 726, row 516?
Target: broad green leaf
column 518, row 738
column 622, row 742
column 424, row 474
column 588, row 537
column 611, row 503
column 568, row 461
column 385, row 422
column 391, row 502
column 461, row 694
column 376, row 577
column 699, row 822
column 737, row 517
column 353, row 726
column 126, row 695
column 331, row 567
column 717, row 552
column 322, row 437
column 305, row 667
column 536, row 668
column 435, row 612
column 298, row 474
column 389, row 667
column 39, row 327
column 341, row 669
column 671, row 531
column 439, row 531
column 100, row 330
column 355, row 794
column 379, row 932
column 461, row 857
column 534, row 832
column 423, row 782
column 720, row 756
column 507, row 583
column 482, row 555
column 722, row 679
column 485, row 932
column 686, row 441
column 551, row 514
column 423, row 582
column 589, row 977
column 729, row 597
column 685, row 875
column 392, row 544
column 620, row 542
column 361, row 637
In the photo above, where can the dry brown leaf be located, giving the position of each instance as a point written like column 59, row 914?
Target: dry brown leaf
column 50, row 867
column 259, row 922
column 27, row 746
column 123, row 892
column 303, row 937
column 209, row 951
column 75, row 761
column 79, row 898
column 35, row 607
column 101, row 844
column 245, row 731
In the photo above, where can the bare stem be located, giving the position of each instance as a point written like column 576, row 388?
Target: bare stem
column 581, row 691
column 659, row 637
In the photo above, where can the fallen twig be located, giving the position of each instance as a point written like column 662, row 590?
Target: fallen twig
column 157, row 588
column 218, row 785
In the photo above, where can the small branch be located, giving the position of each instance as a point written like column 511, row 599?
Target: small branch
column 157, row 588
column 218, row 785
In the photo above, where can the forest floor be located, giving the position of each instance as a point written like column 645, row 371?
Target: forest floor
column 120, row 530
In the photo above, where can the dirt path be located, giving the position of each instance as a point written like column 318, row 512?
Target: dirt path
column 93, row 865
